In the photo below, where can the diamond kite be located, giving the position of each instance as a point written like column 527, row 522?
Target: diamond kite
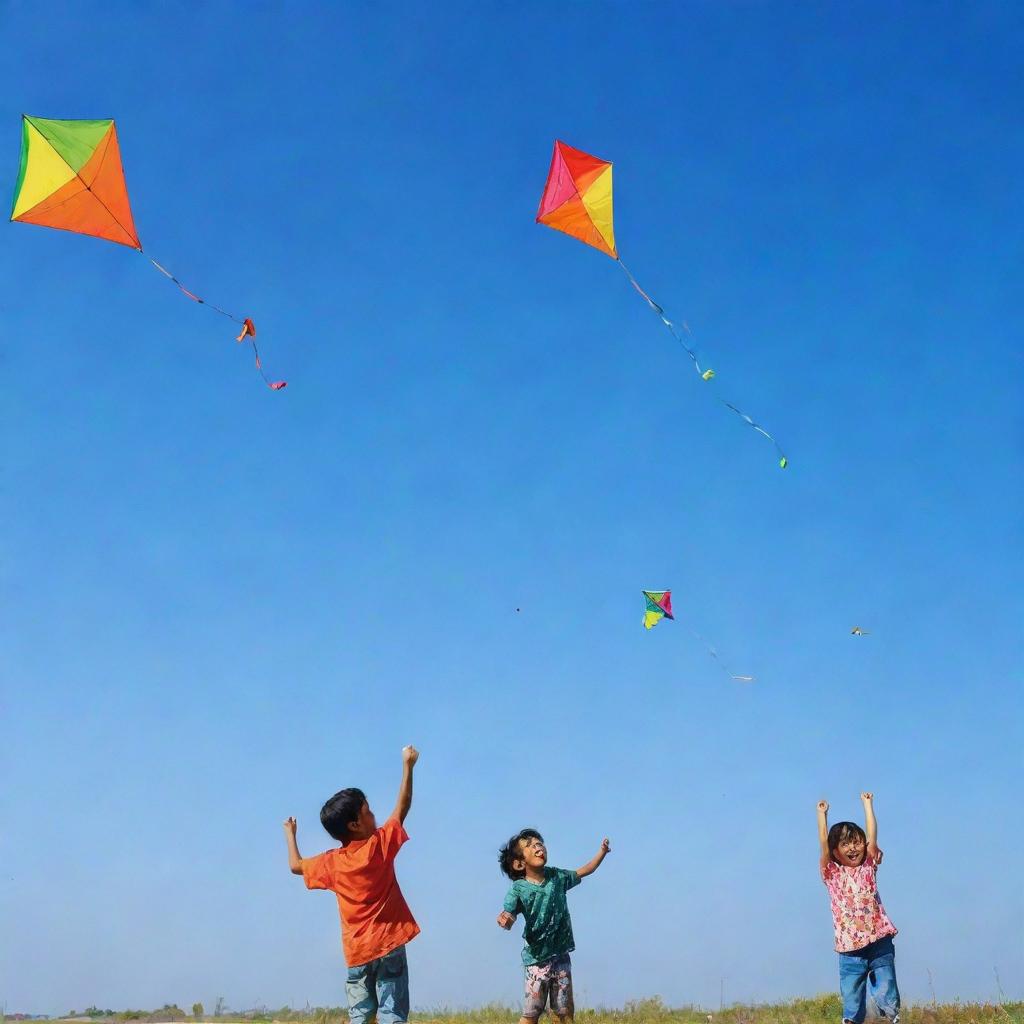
column 577, row 200
column 71, row 178
column 659, row 606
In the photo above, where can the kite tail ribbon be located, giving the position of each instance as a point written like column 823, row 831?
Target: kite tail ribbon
column 718, row 661
column 248, row 327
column 704, row 374
column 249, row 331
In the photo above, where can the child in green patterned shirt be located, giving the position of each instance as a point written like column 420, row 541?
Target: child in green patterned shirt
column 538, row 893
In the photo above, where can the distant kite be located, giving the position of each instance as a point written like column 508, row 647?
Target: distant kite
column 71, row 178
column 577, row 200
column 857, row 631
column 658, row 606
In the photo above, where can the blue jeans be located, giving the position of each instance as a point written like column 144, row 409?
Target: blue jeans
column 379, row 989
column 869, row 969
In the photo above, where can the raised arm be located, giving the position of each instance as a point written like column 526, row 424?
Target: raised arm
column 294, row 857
column 409, row 757
column 871, row 826
column 595, row 862
column 826, row 854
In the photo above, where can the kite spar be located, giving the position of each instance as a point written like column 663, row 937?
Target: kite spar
column 577, row 200
column 71, row 178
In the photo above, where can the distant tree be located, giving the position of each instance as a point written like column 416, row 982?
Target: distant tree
column 197, row 1010
column 218, row 1008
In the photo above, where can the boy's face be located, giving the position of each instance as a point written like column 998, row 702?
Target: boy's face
column 364, row 826
column 533, row 855
column 850, row 851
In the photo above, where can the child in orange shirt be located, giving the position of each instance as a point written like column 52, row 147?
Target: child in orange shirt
column 376, row 922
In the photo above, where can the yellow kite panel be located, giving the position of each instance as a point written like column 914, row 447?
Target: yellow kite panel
column 45, row 172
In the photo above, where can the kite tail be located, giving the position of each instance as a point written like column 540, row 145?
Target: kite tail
column 248, row 327
column 718, row 661
column 704, row 374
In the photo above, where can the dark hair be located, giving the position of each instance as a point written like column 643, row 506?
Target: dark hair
column 841, row 831
column 340, row 811
column 510, row 852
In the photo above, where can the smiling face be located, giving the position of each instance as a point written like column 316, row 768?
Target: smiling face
column 532, row 856
column 850, row 851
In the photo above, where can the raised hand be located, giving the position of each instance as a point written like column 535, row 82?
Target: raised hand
column 294, row 857
column 867, row 797
column 606, row 847
column 823, row 807
column 410, row 755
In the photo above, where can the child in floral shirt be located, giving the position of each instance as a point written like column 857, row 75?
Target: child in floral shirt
column 849, row 862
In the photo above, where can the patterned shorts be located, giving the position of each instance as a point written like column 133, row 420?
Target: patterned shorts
column 549, row 983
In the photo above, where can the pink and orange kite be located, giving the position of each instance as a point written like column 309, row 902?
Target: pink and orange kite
column 71, row 178
column 577, row 199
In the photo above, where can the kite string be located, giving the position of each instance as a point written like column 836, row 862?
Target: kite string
column 707, row 374
column 192, row 295
column 248, row 328
column 718, row 661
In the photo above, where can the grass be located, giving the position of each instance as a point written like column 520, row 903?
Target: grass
column 799, row 1011
column 816, row 1010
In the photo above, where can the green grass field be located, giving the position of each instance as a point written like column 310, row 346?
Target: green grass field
column 800, row 1011
column 644, row 1011
column 653, row 1011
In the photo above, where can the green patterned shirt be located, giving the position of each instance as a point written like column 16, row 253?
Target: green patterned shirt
column 548, row 927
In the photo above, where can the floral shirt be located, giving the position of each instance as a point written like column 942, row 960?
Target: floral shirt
column 857, row 910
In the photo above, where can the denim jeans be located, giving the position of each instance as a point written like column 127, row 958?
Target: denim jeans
column 379, row 989
column 870, row 970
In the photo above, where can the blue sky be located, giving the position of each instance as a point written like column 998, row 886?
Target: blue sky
column 221, row 604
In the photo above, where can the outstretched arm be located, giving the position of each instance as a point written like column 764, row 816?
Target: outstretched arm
column 294, row 858
column 871, row 826
column 409, row 757
column 592, row 865
column 826, row 854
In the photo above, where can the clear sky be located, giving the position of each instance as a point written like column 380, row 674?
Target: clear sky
column 223, row 604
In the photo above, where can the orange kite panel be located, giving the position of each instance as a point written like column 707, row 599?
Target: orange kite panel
column 572, row 218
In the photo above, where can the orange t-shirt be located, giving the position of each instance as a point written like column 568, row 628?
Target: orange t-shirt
column 375, row 918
